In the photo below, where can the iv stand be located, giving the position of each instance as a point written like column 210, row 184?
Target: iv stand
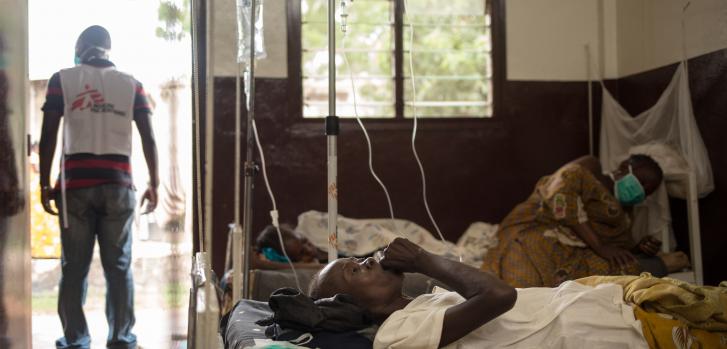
column 332, row 131
column 250, row 171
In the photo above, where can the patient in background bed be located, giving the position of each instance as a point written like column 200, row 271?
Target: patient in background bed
column 482, row 312
column 576, row 224
column 269, row 256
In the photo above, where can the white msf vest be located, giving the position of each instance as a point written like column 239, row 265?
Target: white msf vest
column 99, row 110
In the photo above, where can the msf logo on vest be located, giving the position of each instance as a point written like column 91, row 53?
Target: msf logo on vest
column 93, row 100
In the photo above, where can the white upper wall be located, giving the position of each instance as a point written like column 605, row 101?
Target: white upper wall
column 650, row 32
column 275, row 31
column 545, row 39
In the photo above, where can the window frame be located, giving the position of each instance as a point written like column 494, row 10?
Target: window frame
column 295, row 56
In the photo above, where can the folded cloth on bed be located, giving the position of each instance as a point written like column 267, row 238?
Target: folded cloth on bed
column 661, row 332
column 239, row 330
column 294, row 310
column 703, row 307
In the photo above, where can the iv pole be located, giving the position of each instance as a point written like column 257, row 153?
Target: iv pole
column 332, row 130
column 250, row 171
column 590, row 100
column 235, row 235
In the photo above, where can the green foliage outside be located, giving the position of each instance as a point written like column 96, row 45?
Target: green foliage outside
column 451, row 60
column 176, row 295
column 44, row 302
column 175, row 20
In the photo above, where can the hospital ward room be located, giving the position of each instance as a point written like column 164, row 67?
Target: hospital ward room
column 210, row 174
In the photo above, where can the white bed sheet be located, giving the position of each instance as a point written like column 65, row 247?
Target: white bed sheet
column 359, row 237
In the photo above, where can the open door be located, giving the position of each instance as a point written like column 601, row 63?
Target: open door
column 15, row 327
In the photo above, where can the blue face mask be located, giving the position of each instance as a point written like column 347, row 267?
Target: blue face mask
column 76, row 60
column 628, row 189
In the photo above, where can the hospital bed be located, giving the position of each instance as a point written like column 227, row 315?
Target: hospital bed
column 238, row 328
column 691, row 311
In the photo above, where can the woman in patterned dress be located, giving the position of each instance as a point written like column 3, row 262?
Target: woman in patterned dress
column 574, row 226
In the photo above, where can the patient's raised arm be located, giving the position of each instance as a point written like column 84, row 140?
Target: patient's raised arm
column 487, row 297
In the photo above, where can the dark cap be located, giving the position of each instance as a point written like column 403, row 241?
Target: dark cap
column 94, row 35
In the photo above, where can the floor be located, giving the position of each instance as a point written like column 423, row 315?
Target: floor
column 153, row 328
column 161, row 278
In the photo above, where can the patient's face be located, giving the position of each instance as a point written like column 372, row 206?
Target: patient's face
column 648, row 180
column 299, row 249
column 364, row 279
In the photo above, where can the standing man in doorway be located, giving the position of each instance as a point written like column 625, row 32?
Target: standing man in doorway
column 95, row 194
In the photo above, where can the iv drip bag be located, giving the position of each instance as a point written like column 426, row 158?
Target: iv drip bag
column 244, row 15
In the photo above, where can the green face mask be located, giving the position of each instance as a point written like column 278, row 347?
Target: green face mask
column 628, row 189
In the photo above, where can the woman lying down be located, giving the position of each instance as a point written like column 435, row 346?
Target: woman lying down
column 482, row 312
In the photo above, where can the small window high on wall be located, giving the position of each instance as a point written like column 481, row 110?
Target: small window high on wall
column 452, row 58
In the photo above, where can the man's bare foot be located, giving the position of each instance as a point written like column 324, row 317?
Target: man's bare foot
column 675, row 261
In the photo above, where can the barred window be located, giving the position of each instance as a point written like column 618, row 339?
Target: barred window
column 452, row 59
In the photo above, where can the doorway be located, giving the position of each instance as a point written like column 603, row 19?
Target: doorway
column 150, row 40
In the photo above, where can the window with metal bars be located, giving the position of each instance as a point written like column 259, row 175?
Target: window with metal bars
column 452, row 58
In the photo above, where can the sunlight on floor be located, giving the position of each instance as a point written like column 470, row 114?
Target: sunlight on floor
column 161, row 297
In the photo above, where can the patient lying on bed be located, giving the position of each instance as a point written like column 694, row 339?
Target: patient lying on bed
column 302, row 253
column 482, row 312
column 269, row 255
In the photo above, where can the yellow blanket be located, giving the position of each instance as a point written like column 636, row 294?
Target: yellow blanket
column 662, row 333
column 703, row 307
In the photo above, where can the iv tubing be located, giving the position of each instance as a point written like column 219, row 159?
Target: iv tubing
column 274, row 212
column 366, row 135
column 414, row 130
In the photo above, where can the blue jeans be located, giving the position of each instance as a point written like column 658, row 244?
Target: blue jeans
column 105, row 213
